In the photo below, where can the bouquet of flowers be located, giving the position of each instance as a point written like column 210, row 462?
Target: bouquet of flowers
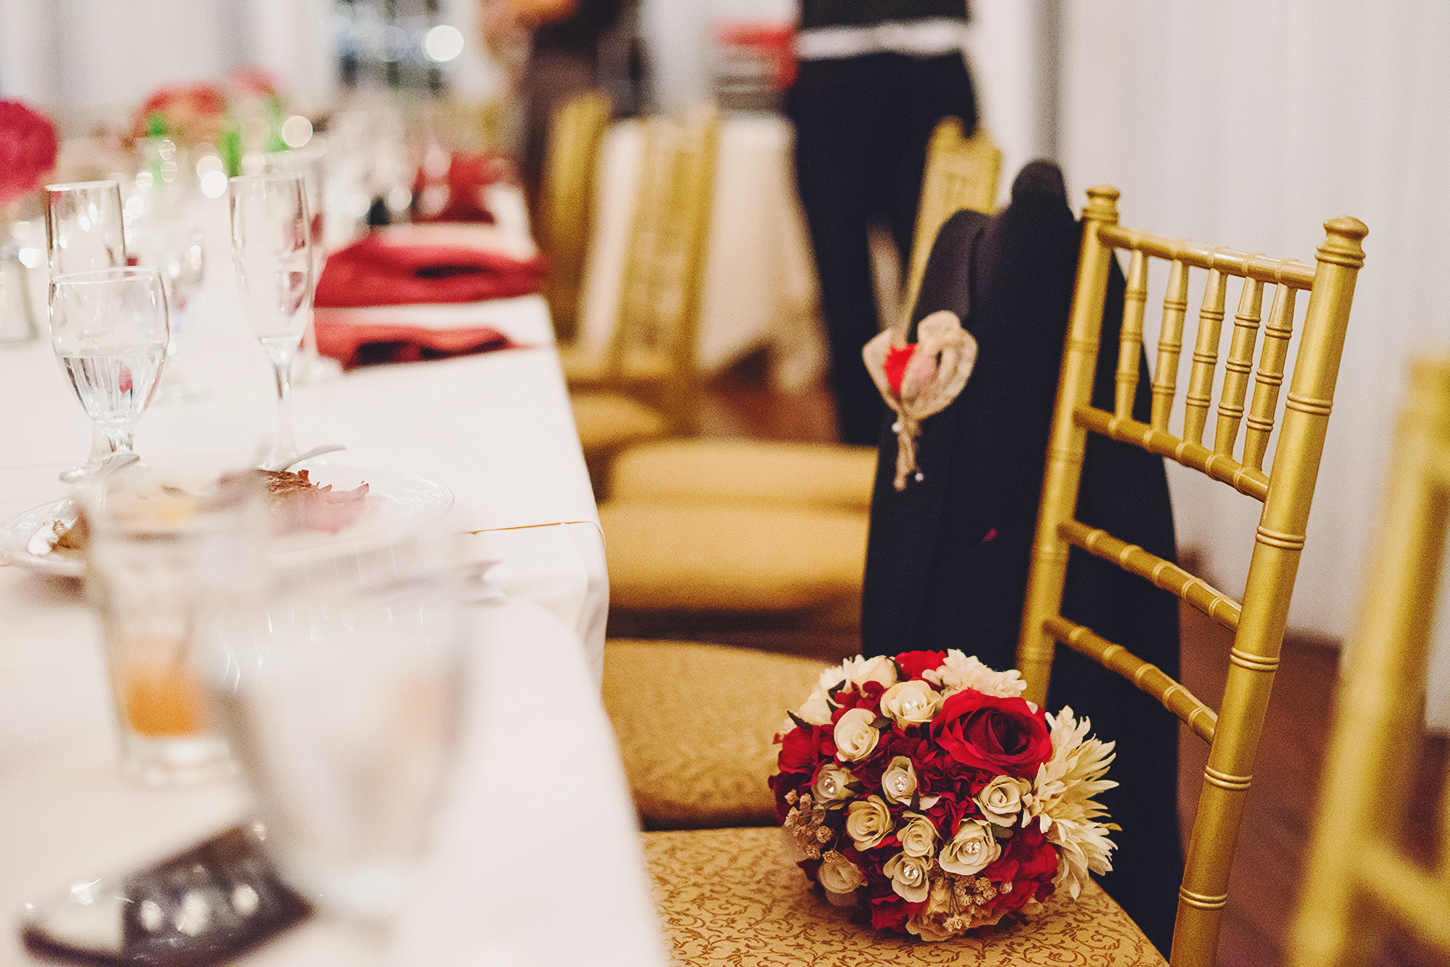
column 27, row 151
column 924, row 791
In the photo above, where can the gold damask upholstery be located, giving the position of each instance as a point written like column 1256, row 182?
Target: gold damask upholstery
column 696, row 726
column 735, row 898
column 566, row 201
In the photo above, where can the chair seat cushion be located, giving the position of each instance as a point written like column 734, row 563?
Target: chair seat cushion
column 735, row 898
column 587, row 369
column 733, row 558
column 609, row 421
column 773, row 471
column 696, row 727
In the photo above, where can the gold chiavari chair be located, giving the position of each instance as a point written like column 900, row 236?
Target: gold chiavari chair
column 1285, row 490
column 733, row 896
column 1359, row 875
column 566, row 201
column 645, row 384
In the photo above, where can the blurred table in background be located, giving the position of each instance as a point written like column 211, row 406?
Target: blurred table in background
column 760, row 288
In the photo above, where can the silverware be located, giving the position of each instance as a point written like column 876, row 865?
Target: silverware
column 277, row 465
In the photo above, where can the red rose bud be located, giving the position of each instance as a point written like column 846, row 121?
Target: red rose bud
column 27, row 150
column 894, row 365
column 914, row 663
column 988, row 732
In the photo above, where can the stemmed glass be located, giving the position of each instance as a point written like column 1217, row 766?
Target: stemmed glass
column 84, row 230
column 272, row 252
column 109, row 328
column 309, row 162
column 178, row 250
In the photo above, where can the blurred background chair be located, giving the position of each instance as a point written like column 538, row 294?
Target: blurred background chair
column 566, row 201
column 1361, row 875
column 723, row 893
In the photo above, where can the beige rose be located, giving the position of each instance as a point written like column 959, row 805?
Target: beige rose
column 909, row 877
column 971, row 850
column 911, row 703
column 898, row 782
column 918, row 836
column 833, row 784
column 880, row 669
column 816, row 710
column 856, row 735
column 868, row 822
column 838, row 875
column 1001, row 800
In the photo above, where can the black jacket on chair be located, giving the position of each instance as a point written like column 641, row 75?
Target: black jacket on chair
column 947, row 558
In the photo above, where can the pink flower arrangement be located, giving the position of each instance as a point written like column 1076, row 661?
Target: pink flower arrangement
column 923, row 791
column 28, row 148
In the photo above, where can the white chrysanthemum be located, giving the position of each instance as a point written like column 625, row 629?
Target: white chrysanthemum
column 1062, row 800
column 958, row 671
column 858, row 671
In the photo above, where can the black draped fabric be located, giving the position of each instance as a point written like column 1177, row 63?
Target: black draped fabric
column 947, row 558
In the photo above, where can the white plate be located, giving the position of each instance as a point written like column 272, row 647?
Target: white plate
column 399, row 501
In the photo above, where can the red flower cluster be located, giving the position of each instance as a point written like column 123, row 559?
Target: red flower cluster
column 908, row 826
column 187, row 113
column 27, row 150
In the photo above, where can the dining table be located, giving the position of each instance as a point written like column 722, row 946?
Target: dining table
column 536, row 855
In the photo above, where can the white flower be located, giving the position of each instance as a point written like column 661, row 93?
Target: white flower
column 1001, row 800
column 833, row 784
column 911, row 703
column 1062, row 802
column 898, row 782
column 909, row 876
column 918, row 836
column 816, row 710
column 971, row 850
column 959, row 671
column 868, row 822
column 859, row 671
column 855, row 734
column 839, row 875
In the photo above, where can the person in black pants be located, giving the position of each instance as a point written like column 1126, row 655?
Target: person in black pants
column 873, row 80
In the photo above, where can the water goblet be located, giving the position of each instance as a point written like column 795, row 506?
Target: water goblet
column 178, row 250
column 109, row 329
column 84, row 229
column 272, row 252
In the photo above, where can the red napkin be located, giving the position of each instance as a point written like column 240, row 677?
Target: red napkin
column 377, row 271
column 462, row 187
column 355, row 341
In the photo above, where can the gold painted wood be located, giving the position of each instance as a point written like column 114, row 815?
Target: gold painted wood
column 566, row 203
column 1357, row 876
column 1285, row 490
column 1131, row 347
column 961, row 172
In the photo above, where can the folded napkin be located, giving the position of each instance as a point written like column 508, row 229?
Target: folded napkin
column 364, row 338
column 460, row 196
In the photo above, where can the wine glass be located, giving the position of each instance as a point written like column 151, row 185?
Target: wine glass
column 84, row 229
column 109, row 329
column 272, row 252
column 338, row 675
column 178, row 250
column 310, row 163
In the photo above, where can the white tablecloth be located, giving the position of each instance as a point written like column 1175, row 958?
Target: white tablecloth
column 497, row 430
column 760, row 284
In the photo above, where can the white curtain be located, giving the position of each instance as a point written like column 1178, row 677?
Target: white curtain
column 1249, row 123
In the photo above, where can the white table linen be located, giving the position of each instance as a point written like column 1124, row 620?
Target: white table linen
column 760, row 287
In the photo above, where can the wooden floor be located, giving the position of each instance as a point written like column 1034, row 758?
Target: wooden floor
column 1278, row 812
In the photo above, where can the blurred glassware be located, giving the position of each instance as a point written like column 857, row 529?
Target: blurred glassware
column 84, row 229
column 109, row 329
column 272, row 253
column 17, row 312
column 311, row 163
column 177, row 249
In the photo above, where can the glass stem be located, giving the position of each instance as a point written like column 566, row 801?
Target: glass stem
column 286, row 443
column 119, row 438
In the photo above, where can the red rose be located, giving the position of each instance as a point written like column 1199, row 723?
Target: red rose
column 894, row 365
column 27, row 150
column 914, row 663
column 1001, row 735
column 799, row 750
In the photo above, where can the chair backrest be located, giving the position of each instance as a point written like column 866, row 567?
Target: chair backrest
column 1285, row 490
column 566, row 201
column 961, row 172
column 654, row 340
column 1358, row 874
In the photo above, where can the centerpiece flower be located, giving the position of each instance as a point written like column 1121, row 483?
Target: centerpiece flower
column 926, row 793
column 28, row 149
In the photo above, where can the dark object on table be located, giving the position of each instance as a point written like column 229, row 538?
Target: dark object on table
column 948, row 557
column 205, row 906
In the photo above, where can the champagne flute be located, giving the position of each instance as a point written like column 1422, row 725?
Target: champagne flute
column 272, row 252
column 310, row 163
column 109, row 329
column 178, row 250
column 85, row 229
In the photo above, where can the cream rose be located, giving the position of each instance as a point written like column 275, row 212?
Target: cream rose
column 911, row 703
column 898, row 782
column 918, row 836
column 816, row 710
column 909, row 877
column 868, row 822
column 839, row 875
column 1001, row 800
column 832, row 784
column 856, row 735
column 880, row 669
column 971, row 850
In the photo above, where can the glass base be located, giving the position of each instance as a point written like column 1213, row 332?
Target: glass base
column 175, row 761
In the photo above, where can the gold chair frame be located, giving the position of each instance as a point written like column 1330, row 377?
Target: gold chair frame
column 1286, row 491
column 1358, row 872
column 566, row 202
